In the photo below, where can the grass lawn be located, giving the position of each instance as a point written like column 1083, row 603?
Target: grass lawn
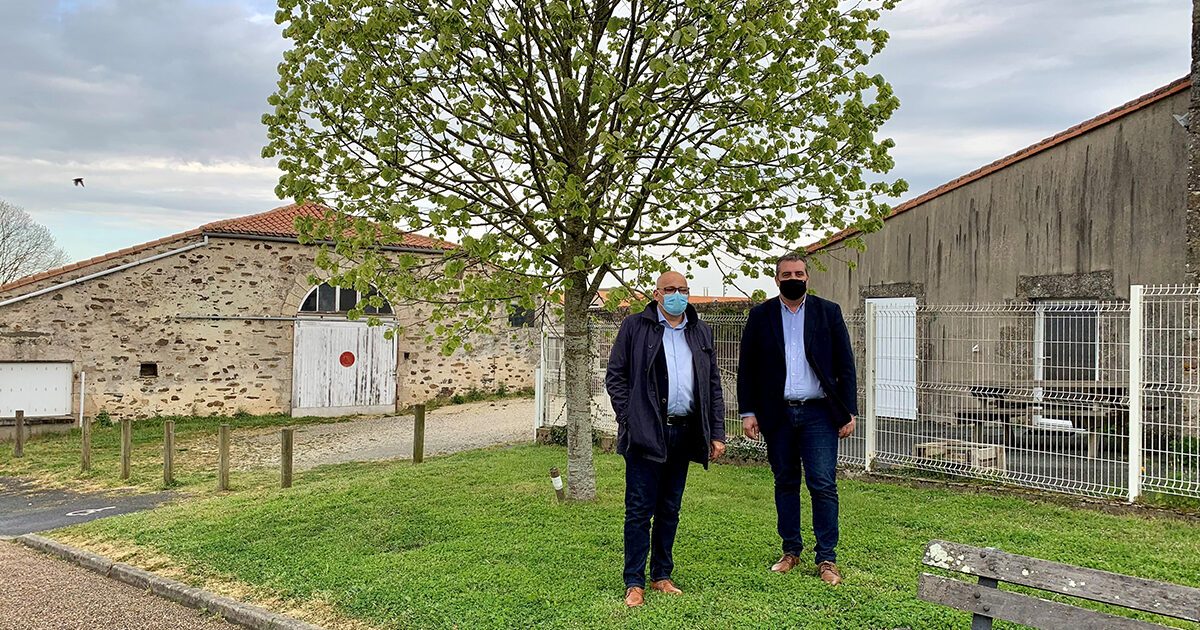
column 476, row 540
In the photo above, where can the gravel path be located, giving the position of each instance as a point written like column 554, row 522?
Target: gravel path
column 447, row 430
column 38, row 592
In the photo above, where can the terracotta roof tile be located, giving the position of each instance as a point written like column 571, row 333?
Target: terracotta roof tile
column 602, row 296
column 278, row 222
column 20, row 282
column 1141, row 102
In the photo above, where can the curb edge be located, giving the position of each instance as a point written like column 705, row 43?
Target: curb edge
column 230, row 609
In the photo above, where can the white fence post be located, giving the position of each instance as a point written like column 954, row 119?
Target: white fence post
column 869, row 362
column 1136, row 302
column 539, row 388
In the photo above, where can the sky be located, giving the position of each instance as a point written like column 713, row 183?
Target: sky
column 157, row 103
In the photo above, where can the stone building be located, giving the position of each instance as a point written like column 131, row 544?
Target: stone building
column 221, row 319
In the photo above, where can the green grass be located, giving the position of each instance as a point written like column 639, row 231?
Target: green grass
column 54, row 459
column 476, row 540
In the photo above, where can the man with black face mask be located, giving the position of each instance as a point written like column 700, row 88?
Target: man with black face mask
column 666, row 391
column 797, row 386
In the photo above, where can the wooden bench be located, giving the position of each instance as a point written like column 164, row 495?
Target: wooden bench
column 986, row 602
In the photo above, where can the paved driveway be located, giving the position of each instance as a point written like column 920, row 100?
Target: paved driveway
column 25, row 508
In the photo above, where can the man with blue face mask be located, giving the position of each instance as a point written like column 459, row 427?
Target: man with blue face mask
column 666, row 391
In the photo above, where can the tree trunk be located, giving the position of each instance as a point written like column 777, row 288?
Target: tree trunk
column 1193, row 172
column 581, row 474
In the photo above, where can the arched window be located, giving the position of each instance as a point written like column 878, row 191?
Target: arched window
column 327, row 298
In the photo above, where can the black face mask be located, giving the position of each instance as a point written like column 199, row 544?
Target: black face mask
column 793, row 289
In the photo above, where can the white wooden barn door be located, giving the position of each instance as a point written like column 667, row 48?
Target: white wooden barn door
column 341, row 367
column 895, row 357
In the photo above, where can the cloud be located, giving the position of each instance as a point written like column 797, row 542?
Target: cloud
column 979, row 79
column 158, row 104
column 155, row 104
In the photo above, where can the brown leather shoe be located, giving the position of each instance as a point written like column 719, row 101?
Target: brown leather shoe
column 829, row 573
column 634, row 596
column 785, row 564
column 665, row 586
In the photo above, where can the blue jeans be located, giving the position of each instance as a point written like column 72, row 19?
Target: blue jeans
column 654, row 490
column 805, row 445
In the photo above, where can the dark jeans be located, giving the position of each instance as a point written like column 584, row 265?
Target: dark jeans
column 654, row 490
column 805, row 444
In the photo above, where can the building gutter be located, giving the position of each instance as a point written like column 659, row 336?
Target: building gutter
column 63, row 285
column 270, row 318
column 239, row 317
column 284, row 239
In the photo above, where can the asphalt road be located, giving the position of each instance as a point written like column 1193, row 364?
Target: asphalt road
column 25, row 508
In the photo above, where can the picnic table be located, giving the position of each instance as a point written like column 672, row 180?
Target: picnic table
column 1090, row 406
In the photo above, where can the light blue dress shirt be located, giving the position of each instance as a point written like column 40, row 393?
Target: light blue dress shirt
column 681, row 388
column 801, row 382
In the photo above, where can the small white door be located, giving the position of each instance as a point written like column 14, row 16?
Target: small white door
column 342, row 367
column 895, row 357
column 39, row 389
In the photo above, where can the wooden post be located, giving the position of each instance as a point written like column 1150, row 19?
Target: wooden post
column 419, row 434
column 19, row 445
column 223, row 457
column 285, row 457
column 556, row 481
column 85, row 453
column 126, row 446
column 168, row 452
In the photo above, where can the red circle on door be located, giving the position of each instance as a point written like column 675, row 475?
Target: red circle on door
column 347, row 359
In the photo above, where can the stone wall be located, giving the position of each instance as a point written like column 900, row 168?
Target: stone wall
column 172, row 313
column 506, row 359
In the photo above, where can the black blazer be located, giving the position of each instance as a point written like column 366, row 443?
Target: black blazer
column 762, row 366
column 636, row 380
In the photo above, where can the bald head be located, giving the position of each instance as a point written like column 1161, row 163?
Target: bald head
column 672, row 279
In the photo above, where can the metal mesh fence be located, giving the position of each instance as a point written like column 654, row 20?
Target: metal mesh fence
column 1029, row 394
column 1035, row 394
column 1170, row 392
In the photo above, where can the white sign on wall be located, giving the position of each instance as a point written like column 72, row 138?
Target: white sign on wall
column 896, row 357
column 40, row 389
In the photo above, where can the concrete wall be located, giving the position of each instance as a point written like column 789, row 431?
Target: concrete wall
column 108, row 326
column 1108, row 204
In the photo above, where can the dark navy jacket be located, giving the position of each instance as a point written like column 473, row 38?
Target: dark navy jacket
column 637, row 385
column 762, row 363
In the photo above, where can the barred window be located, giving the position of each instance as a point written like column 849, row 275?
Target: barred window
column 519, row 317
column 1067, row 340
column 327, row 298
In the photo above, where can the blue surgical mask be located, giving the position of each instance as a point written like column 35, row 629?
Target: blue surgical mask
column 675, row 303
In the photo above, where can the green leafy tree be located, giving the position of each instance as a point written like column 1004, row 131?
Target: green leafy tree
column 570, row 143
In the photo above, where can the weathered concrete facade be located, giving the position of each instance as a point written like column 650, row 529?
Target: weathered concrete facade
column 1080, row 217
column 216, row 322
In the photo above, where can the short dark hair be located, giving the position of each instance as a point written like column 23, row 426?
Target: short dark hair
column 789, row 257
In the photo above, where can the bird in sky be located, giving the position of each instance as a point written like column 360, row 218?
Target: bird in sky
column 79, row 182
